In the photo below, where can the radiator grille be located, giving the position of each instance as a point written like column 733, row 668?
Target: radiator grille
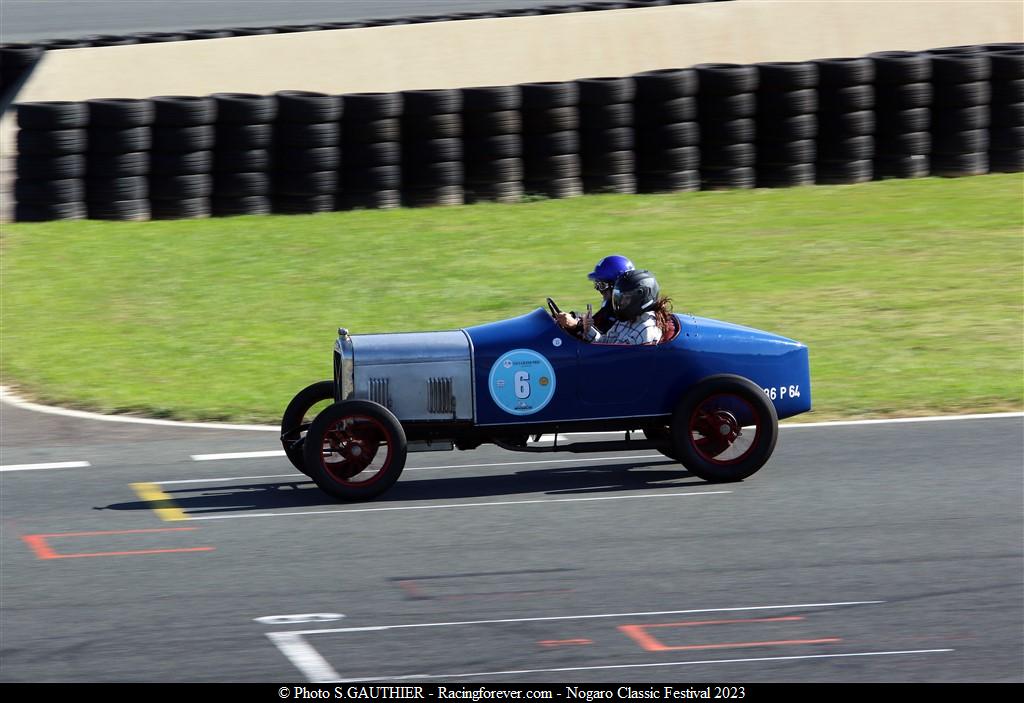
column 378, row 391
column 439, row 396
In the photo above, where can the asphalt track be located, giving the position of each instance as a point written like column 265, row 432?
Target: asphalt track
column 887, row 553
column 25, row 20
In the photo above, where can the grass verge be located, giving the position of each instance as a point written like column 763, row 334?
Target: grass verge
column 908, row 293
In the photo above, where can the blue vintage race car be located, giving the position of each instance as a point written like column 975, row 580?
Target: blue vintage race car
column 709, row 395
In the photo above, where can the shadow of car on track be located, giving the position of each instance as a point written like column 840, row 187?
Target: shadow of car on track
column 226, row 497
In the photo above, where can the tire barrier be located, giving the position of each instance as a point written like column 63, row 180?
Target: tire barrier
column 903, row 87
column 846, row 120
column 492, row 143
column 775, row 124
column 432, row 156
column 119, row 142
column 181, row 161
column 668, row 135
column 371, row 172
column 551, row 139
column 787, row 106
column 308, row 152
column 961, row 114
column 243, row 154
column 607, row 135
column 726, row 109
column 51, row 163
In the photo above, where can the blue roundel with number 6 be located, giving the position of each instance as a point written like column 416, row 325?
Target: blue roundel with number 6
column 521, row 382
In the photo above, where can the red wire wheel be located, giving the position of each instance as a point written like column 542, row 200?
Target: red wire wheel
column 724, row 429
column 298, row 416
column 355, row 450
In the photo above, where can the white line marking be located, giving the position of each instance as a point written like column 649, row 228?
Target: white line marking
column 459, row 505
column 8, row 396
column 238, row 455
column 643, row 613
column 51, row 465
column 305, row 658
column 640, row 666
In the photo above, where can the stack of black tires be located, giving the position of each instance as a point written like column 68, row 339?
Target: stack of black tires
column 903, row 99
column 551, row 142
column 727, row 104
column 51, row 161
column 120, row 137
column 15, row 61
column 787, row 103
column 960, row 112
column 667, row 131
column 607, row 137
column 432, row 172
column 846, row 120
column 181, row 162
column 371, row 172
column 493, row 143
column 307, row 149
column 1006, row 144
column 243, row 154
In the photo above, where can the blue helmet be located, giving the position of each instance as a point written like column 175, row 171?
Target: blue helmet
column 611, row 267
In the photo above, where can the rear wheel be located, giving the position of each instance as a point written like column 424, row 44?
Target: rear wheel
column 355, row 450
column 724, row 429
column 299, row 414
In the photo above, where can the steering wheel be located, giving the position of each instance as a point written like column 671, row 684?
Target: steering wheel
column 553, row 307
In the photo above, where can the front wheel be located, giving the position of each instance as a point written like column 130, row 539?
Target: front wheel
column 299, row 414
column 355, row 450
column 724, row 429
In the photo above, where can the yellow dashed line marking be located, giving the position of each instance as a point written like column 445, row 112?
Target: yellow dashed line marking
column 162, row 504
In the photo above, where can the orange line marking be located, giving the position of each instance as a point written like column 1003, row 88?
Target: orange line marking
column 647, row 641
column 43, row 550
column 559, row 643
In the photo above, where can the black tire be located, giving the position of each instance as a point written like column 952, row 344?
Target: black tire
column 244, row 137
column 957, row 95
column 302, row 106
column 51, row 142
column 916, row 119
column 726, row 107
column 375, row 154
column 956, row 165
column 362, row 107
column 1007, row 66
column 669, row 136
column 65, row 190
column 713, row 178
column 728, row 156
column 433, row 195
column 502, row 146
column 372, row 199
column 604, row 140
column 803, row 151
column 441, row 126
column 183, row 111
column 495, row 171
column 369, row 131
column 104, row 140
column 726, row 78
column 901, row 67
column 555, row 188
column 790, row 128
column 558, row 166
column 184, row 209
column 786, row 175
column 960, row 68
column 848, row 149
column 548, row 94
column 50, row 168
column 684, row 158
column 325, row 158
column 551, row 144
column 906, row 143
column 119, row 210
column 433, row 174
column 730, row 132
column 297, row 418
column 669, row 182
column 58, row 114
column 908, row 166
column 373, row 178
column 905, row 96
column 785, row 76
column 1006, row 160
column 622, row 183
column 242, row 160
column 555, row 119
column 665, row 84
column 1007, row 138
column 196, row 138
column 964, row 118
column 301, row 135
column 245, row 108
column 849, row 99
column 116, row 189
column 245, row 205
column 709, row 408
column 507, row 192
column 46, row 212
column 607, row 116
column 650, row 114
column 120, row 113
column 608, row 162
column 431, row 150
column 775, row 106
column 241, row 184
column 844, row 172
column 181, row 187
column 304, row 204
column 418, row 103
column 491, row 99
column 133, row 163
column 967, row 142
column 485, row 124
column 845, row 71
column 850, row 124
column 606, row 91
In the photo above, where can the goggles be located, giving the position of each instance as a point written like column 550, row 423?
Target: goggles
column 602, row 286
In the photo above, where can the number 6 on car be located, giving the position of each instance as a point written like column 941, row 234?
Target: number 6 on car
column 709, row 395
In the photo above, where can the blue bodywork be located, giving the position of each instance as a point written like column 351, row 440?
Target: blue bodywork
column 595, row 381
